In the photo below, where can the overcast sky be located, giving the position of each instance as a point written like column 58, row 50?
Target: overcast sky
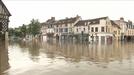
column 24, row 10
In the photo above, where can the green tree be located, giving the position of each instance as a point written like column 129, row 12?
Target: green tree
column 34, row 27
column 11, row 32
column 17, row 32
column 23, row 30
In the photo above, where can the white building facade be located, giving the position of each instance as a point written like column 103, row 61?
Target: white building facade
column 64, row 28
column 123, row 26
column 100, row 29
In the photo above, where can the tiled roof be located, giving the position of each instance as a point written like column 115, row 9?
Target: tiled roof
column 65, row 21
column 5, row 8
column 98, row 18
column 81, row 23
column 114, row 24
column 90, row 21
column 50, row 21
column 117, row 21
column 43, row 24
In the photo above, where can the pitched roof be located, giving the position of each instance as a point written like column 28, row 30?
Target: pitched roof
column 50, row 21
column 90, row 21
column 81, row 23
column 114, row 24
column 6, row 10
column 117, row 21
column 98, row 18
column 43, row 24
column 65, row 21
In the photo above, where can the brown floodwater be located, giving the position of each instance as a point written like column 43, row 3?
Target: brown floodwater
column 67, row 58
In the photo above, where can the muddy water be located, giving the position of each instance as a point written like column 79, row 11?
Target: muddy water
column 67, row 58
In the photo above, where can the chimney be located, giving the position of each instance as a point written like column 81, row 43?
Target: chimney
column 129, row 22
column 66, row 17
column 53, row 18
column 77, row 16
column 121, row 18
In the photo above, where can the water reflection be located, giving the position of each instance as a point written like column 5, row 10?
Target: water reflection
column 32, row 47
column 96, row 52
column 59, row 58
column 4, row 65
column 75, row 52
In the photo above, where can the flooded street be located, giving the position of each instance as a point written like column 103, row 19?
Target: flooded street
column 62, row 58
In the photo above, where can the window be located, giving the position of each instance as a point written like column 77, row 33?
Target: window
column 70, row 29
column 102, row 29
column 108, row 29
column 77, row 29
column 83, row 29
column 66, row 29
column 92, row 29
column 115, row 32
column 88, row 27
column 61, row 29
column 96, row 29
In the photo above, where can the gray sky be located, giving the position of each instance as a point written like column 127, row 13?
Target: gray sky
column 24, row 10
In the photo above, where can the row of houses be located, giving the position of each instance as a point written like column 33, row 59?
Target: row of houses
column 98, row 29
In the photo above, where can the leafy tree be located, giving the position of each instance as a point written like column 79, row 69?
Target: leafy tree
column 34, row 27
column 17, row 32
column 11, row 31
column 23, row 30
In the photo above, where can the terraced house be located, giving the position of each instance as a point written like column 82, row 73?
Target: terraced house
column 123, row 25
column 47, row 28
column 43, row 31
column 130, row 31
column 64, row 28
column 81, row 30
column 98, row 29
column 59, row 29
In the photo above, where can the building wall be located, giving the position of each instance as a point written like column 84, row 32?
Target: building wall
column 61, row 29
column 65, row 28
column 43, row 30
column 104, row 28
column 130, row 29
column 123, row 26
column 117, row 33
column 98, row 26
column 80, row 29
column 129, row 32
column 101, row 31
column 50, row 30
